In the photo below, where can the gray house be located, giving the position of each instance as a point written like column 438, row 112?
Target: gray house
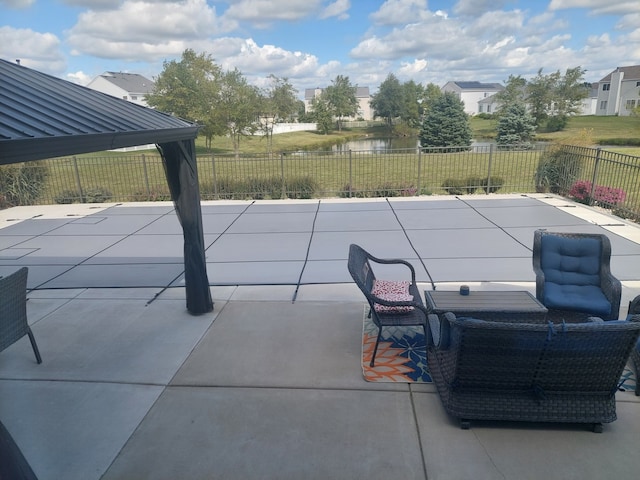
column 128, row 86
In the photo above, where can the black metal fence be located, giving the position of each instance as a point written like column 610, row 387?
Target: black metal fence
column 592, row 176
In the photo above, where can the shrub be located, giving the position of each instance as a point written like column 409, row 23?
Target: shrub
column 492, row 184
column 66, row 197
column 557, row 170
column 22, row 183
column 472, row 184
column 454, row 186
column 157, row 193
column 97, row 195
column 608, row 197
column 302, row 187
column 386, row 190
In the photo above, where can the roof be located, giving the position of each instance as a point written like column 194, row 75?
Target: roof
column 129, row 82
column 42, row 116
column 479, row 86
column 630, row 73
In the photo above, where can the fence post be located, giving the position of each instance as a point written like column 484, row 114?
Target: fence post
column 284, row 187
column 146, row 175
column 594, row 178
column 78, row 184
column 350, row 174
column 489, row 170
column 419, row 171
column 213, row 174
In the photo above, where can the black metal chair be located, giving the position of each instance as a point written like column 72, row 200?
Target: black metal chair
column 384, row 310
column 573, row 276
column 13, row 311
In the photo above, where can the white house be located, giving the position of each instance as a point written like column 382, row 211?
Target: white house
column 362, row 95
column 619, row 92
column 471, row 93
column 128, row 86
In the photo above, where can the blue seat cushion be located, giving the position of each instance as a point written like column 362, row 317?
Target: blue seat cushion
column 579, row 298
column 570, row 261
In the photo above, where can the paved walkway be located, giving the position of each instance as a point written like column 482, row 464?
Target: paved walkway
column 270, row 385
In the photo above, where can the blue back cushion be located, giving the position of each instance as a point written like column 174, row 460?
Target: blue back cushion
column 572, row 274
column 571, row 261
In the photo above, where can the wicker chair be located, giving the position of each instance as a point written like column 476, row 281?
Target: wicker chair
column 13, row 311
column 386, row 312
column 566, row 372
column 634, row 309
column 573, row 277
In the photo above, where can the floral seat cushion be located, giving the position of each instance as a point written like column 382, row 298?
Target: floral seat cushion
column 393, row 291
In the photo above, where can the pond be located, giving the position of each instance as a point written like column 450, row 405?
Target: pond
column 385, row 144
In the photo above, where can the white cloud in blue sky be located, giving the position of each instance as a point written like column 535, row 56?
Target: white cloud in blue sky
column 312, row 41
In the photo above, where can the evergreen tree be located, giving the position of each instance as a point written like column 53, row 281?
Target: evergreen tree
column 388, row 102
column 516, row 127
column 446, row 124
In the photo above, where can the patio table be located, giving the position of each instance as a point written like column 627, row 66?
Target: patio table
column 488, row 305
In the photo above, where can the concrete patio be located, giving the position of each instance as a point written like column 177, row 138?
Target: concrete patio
column 270, row 384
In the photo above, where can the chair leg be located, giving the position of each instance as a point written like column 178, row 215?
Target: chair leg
column 34, row 345
column 375, row 349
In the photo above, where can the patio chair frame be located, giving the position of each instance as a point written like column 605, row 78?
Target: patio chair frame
column 359, row 265
column 13, row 311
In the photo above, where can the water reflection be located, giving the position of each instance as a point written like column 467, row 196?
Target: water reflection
column 386, row 144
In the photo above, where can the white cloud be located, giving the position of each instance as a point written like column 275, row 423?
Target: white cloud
column 139, row 30
column 410, row 69
column 477, row 7
column 17, row 3
column 598, row 6
column 40, row 51
column 263, row 12
column 338, row 9
column 78, row 77
column 397, row 12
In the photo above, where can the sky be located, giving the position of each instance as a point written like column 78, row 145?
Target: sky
column 310, row 42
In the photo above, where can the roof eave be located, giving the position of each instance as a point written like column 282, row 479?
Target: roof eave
column 28, row 149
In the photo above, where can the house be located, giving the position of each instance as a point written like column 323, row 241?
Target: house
column 128, row 86
column 619, row 92
column 488, row 104
column 363, row 96
column 471, row 93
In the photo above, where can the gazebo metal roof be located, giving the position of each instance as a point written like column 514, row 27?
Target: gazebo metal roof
column 42, row 116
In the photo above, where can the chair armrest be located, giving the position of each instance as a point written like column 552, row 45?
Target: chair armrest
column 439, row 330
column 594, row 320
column 396, row 261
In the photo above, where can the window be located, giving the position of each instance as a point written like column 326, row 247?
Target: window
column 489, row 108
column 603, row 105
column 631, row 104
column 480, row 107
column 124, row 97
column 606, row 87
column 637, row 84
column 134, row 97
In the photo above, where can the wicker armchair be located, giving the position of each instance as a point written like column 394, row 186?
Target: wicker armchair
column 13, row 311
column 518, row 371
column 573, row 277
column 386, row 310
column 634, row 309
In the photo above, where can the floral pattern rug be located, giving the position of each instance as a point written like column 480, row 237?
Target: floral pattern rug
column 401, row 356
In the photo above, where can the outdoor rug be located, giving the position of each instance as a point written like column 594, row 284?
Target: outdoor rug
column 401, row 356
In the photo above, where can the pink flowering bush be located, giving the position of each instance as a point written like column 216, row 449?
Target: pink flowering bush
column 603, row 196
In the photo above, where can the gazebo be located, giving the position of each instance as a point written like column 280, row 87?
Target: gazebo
column 42, row 116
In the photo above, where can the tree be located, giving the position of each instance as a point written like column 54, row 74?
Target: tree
column 413, row 97
column 237, row 106
column 279, row 104
column 516, row 127
column 446, row 124
column 388, row 102
column 555, row 96
column 341, row 99
column 514, row 92
column 188, row 89
column 321, row 114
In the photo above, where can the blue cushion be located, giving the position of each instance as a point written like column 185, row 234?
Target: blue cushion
column 580, row 298
column 570, row 261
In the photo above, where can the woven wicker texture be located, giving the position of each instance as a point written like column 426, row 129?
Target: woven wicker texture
column 529, row 372
column 13, row 311
column 609, row 285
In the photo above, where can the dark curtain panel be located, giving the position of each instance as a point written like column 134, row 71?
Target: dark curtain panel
column 179, row 160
